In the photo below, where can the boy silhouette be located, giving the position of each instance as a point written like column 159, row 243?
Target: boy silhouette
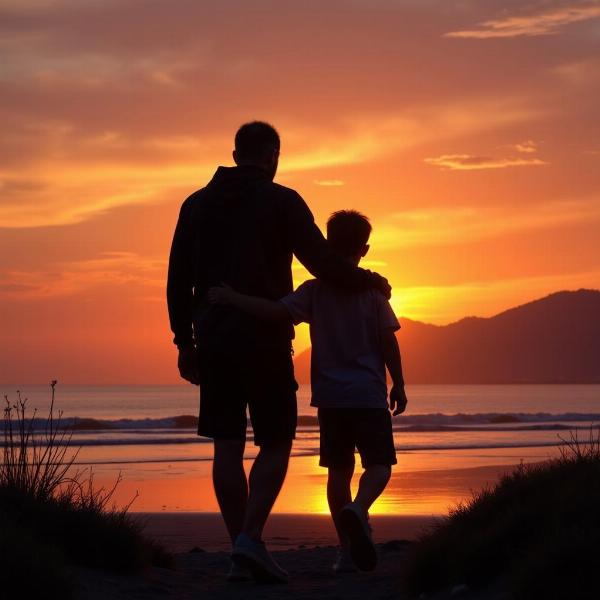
column 353, row 340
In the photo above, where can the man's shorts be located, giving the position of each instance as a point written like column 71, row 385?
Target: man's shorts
column 369, row 430
column 262, row 380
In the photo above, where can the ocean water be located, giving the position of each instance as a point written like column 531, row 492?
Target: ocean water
column 451, row 440
column 129, row 424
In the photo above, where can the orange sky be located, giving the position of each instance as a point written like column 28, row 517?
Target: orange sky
column 469, row 132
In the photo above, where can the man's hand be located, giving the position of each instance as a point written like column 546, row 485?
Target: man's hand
column 188, row 364
column 221, row 295
column 398, row 400
column 382, row 284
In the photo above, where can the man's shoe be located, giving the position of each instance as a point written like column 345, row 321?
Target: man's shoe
column 238, row 573
column 255, row 557
column 344, row 563
column 354, row 523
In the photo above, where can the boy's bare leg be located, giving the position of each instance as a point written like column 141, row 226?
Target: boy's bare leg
column 339, row 494
column 266, row 478
column 371, row 485
column 230, row 483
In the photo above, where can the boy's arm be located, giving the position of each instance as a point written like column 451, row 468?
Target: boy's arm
column 253, row 305
column 393, row 362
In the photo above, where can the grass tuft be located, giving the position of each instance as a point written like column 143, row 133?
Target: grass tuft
column 537, row 531
column 52, row 515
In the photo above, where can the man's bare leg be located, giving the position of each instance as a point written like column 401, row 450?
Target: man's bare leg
column 266, row 478
column 339, row 494
column 230, row 483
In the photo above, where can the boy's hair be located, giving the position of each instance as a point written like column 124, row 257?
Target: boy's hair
column 256, row 140
column 348, row 232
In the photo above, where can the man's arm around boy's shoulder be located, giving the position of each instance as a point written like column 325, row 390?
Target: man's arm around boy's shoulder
column 393, row 362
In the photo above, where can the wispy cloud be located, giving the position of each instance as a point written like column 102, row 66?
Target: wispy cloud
column 541, row 23
column 470, row 162
column 84, row 176
column 578, row 73
column 527, row 147
column 329, row 182
column 68, row 278
column 447, row 226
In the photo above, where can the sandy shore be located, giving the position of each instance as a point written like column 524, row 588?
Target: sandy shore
column 202, row 575
column 181, row 532
column 302, row 544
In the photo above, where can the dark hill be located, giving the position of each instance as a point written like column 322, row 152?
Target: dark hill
column 555, row 339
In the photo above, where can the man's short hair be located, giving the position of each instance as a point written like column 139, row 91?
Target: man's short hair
column 348, row 232
column 256, row 141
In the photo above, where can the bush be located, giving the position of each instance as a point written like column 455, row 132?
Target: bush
column 54, row 514
column 30, row 568
column 537, row 530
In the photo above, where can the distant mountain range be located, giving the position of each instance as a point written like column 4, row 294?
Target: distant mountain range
column 555, row 339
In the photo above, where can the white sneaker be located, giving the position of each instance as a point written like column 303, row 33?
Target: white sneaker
column 354, row 523
column 238, row 573
column 255, row 557
column 344, row 563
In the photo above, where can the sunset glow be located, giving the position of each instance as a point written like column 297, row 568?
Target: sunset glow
column 469, row 133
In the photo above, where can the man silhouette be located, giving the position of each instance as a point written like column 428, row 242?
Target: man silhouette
column 243, row 229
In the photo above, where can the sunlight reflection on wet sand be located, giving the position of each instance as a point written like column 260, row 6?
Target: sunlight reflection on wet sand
column 422, row 483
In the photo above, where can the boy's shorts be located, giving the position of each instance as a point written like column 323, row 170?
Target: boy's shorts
column 369, row 430
column 263, row 381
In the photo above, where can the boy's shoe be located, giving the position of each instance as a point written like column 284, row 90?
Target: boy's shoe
column 255, row 557
column 344, row 563
column 238, row 573
column 354, row 523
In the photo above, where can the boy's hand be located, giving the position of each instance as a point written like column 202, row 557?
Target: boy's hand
column 221, row 295
column 398, row 400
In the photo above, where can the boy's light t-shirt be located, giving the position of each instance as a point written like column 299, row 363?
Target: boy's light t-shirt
column 347, row 365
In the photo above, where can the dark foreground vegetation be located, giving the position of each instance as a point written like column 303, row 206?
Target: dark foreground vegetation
column 54, row 518
column 536, row 534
